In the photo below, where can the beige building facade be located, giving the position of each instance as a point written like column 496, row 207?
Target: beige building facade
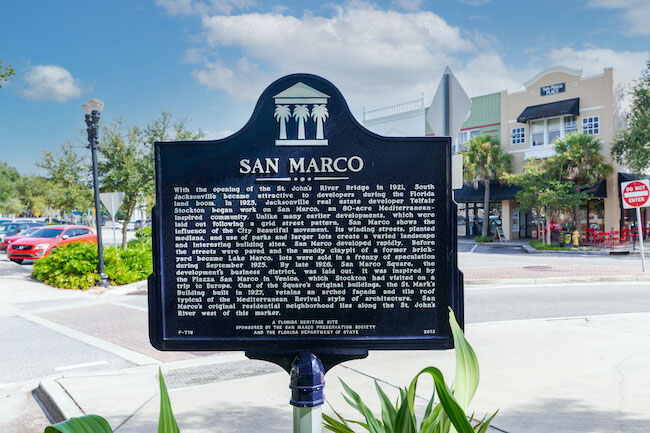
column 556, row 102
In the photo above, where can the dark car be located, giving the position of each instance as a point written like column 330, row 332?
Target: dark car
column 15, row 227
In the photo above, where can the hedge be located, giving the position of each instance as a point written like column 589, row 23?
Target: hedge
column 74, row 266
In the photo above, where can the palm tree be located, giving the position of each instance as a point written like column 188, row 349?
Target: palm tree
column 301, row 114
column 484, row 161
column 579, row 158
column 282, row 114
column 319, row 114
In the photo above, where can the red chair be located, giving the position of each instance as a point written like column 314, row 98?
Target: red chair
column 589, row 235
column 617, row 239
column 605, row 238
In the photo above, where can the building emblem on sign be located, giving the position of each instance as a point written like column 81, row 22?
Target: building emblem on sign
column 294, row 102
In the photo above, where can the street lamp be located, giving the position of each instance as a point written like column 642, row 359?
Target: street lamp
column 92, row 110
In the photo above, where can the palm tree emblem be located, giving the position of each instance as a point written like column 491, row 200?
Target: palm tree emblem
column 282, row 114
column 319, row 114
column 301, row 114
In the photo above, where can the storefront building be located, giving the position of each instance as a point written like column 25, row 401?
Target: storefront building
column 554, row 103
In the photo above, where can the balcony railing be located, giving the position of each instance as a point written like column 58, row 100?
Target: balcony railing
column 405, row 107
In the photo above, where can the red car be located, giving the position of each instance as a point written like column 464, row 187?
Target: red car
column 40, row 243
column 4, row 245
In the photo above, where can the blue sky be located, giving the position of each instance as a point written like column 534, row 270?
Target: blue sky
column 208, row 60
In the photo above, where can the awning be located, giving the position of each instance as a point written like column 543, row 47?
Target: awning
column 498, row 192
column 599, row 190
column 552, row 109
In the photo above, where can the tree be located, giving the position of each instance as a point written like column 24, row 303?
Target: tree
column 632, row 145
column 282, row 114
column 301, row 114
column 319, row 114
column 579, row 159
column 545, row 189
column 127, row 159
column 483, row 162
column 9, row 179
column 68, row 179
column 6, row 73
column 34, row 195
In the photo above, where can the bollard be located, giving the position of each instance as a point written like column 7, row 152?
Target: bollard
column 307, row 383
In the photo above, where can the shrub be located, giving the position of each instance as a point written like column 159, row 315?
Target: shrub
column 400, row 417
column 482, row 239
column 74, row 266
column 144, row 232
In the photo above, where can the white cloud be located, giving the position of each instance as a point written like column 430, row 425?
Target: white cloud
column 360, row 48
column 627, row 64
column 409, row 5
column 216, row 135
column 635, row 14
column 51, row 83
column 190, row 7
column 487, row 73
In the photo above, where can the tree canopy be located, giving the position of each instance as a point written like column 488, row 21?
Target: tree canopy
column 6, row 73
column 632, row 145
column 9, row 179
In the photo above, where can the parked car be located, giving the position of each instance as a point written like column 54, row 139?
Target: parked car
column 141, row 223
column 9, row 239
column 41, row 243
column 15, row 227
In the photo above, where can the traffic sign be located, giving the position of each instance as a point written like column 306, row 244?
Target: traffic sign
column 636, row 193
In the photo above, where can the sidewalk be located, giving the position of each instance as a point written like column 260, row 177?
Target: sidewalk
column 586, row 374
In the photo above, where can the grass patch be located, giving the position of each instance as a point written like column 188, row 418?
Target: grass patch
column 540, row 245
column 482, row 239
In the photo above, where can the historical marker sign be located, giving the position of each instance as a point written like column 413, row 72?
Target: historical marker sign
column 304, row 231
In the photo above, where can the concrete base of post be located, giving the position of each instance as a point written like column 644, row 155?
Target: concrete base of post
column 308, row 419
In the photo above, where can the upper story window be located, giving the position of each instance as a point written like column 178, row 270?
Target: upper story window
column 591, row 125
column 463, row 137
column 537, row 132
column 570, row 125
column 518, row 136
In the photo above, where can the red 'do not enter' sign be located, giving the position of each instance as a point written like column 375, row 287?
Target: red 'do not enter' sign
column 635, row 193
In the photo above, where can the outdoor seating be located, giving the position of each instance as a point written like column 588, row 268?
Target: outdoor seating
column 604, row 239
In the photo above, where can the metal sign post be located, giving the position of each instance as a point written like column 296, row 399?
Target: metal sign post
column 304, row 240
column 638, row 226
column 635, row 195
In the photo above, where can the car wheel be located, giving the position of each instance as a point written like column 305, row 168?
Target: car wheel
column 19, row 261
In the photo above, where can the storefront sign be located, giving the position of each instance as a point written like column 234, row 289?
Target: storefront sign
column 553, row 89
column 304, row 232
column 636, row 193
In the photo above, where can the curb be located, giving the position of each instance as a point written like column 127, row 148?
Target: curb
column 555, row 280
column 56, row 402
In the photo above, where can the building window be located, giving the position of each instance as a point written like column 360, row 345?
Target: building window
column 553, row 130
column 465, row 136
column 570, row 125
column 591, row 125
column 537, row 132
column 518, row 136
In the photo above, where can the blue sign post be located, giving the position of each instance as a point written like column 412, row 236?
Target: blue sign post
column 305, row 240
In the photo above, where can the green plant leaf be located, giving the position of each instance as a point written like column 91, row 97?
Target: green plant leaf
column 452, row 409
column 484, row 425
column 388, row 412
column 373, row 423
column 335, row 426
column 166, row 420
column 83, row 424
column 467, row 369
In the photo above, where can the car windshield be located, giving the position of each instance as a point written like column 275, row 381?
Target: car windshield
column 8, row 227
column 28, row 231
column 46, row 233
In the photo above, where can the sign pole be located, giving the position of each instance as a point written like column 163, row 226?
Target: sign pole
column 113, row 218
column 638, row 226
